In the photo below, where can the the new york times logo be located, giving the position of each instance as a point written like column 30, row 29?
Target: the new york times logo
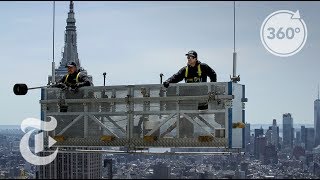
column 39, row 144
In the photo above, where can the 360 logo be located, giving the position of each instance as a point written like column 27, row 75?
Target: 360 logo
column 283, row 33
column 39, row 144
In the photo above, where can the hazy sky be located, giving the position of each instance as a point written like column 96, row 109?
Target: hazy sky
column 136, row 41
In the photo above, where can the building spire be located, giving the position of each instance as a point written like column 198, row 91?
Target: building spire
column 318, row 91
column 70, row 53
column 71, row 6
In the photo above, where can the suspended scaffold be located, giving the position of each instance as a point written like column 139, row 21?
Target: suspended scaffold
column 146, row 116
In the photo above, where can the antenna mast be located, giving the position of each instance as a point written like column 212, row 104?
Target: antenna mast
column 234, row 78
column 53, row 80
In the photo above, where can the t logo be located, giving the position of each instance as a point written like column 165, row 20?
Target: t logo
column 24, row 143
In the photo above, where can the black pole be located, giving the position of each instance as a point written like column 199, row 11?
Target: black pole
column 161, row 78
column 104, row 78
column 40, row 87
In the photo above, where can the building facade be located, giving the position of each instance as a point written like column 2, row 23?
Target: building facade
column 317, row 121
column 288, row 130
column 275, row 134
column 309, row 139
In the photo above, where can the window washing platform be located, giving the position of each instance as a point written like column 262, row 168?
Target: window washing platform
column 147, row 116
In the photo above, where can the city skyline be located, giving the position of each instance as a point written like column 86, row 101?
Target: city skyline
column 153, row 35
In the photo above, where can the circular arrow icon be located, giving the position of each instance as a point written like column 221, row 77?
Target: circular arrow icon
column 283, row 33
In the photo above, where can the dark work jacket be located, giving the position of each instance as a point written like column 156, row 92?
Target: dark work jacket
column 83, row 79
column 193, row 74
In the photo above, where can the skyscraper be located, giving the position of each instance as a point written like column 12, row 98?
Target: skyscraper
column 275, row 134
column 271, row 156
column 317, row 120
column 71, row 165
column 309, row 141
column 268, row 135
column 287, row 130
column 247, row 136
column 298, row 138
column 303, row 134
column 258, row 132
column 259, row 147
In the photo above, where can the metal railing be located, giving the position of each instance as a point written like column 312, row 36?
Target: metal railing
column 142, row 116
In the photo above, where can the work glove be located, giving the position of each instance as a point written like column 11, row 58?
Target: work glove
column 166, row 84
column 75, row 86
column 60, row 85
column 74, row 90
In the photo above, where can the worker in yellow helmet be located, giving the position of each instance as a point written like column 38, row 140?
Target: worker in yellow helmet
column 74, row 79
column 195, row 71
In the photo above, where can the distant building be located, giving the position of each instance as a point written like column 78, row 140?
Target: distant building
column 298, row 152
column 316, row 161
column 244, row 167
column 247, row 136
column 316, row 154
column 269, row 135
column 316, row 169
column 240, row 175
column 317, row 120
column 161, row 171
column 250, row 146
column 298, row 138
column 309, row 139
column 14, row 172
column 303, row 134
column 270, row 156
column 3, row 140
column 259, row 147
column 275, row 134
column 309, row 158
column 107, row 169
column 258, row 132
column 288, row 130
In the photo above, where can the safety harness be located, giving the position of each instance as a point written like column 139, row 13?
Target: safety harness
column 194, row 79
column 77, row 78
